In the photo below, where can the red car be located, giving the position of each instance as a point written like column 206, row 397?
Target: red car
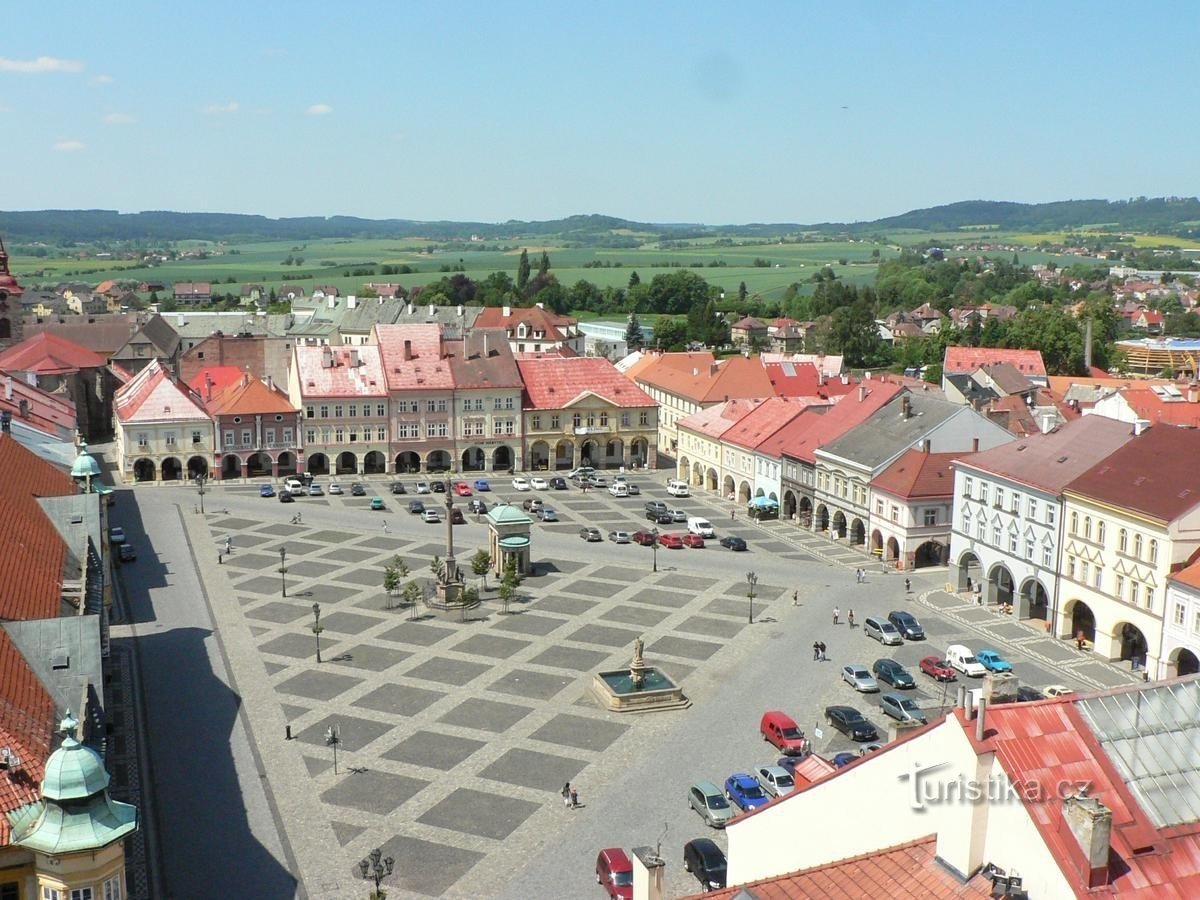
column 614, row 872
column 780, row 729
column 645, row 538
column 936, row 667
column 462, row 489
column 693, row 540
column 671, row 540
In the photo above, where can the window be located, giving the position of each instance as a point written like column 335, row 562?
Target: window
column 895, row 513
column 643, row 418
column 143, row 440
column 380, row 410
column 591, row 420
column 1074, row 523
column 247, row 437
column 1123, row 541
column 84, row 893
column 270, row 437
column 1119, row 587
column 535, row 422
column 229, row 439
column 983, row 494
column 195, row 437
column 508, row 402
column 996, row 533
column 497, row 403
column 508, row 426
column 337, row 410
column 1100, row 529
column 1133, row 592
column 324, row 411
column 381, row 433
column 1099, row 579
column 353, row 410
column 999, row 498
column 625, row 420
column 555, row 422
column 1071, row 567
column 310, row 436
column 1149, row 597
column 1012, row 543
column 879, row 511
column 1032, row 509
column 49, row 893
column 431, row 406
column 576, row 420
column 287, row 437
column 603, row 420
column 1180, row 609
column 308, row 412
column 1029, row 549
column 430, row 430
column 353, row 434
column 1050, row 514
column 1083, row 571
column 980, row 528
column 112, row 888
column 1196, row 622
column 1047, row 555
column 339, row 434
column 968, row 487
column 1137, row 546
column 1087, row 528
column 1153, row 552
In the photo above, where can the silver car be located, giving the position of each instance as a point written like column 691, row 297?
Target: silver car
column 678, row 515
column 709, row 801
column 859, row 678
column 775, row 780
column 902, row 709
column 620, row 537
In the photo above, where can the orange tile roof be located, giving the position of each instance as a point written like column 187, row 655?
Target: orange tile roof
column 52, row 414
column 736, row 377
column 904, row 871
column 757, row 427
column 791, row 433
column 1149, row 406
column 49, row 354
column 971, row 359
column 27, row 720
column 211, row 380
column 1153, row 473
column 917, row 474
column 1189, row 575
column 552, row 383
column 791, row 379
column 31, row 566
column 343, row 378
column 536, row 318
column 247, row 396
column 714, row 421
column 153, row 395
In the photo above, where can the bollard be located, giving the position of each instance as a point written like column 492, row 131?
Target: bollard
column 288, row 733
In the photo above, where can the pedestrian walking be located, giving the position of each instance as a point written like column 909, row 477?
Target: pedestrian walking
column 836, row 613
column 821, row 647
column 566, row 794
column 795, row 598
column 907, row 586
column 228, row 545
column 574, row 797
column 816, row 650
column 858, row 576
column 733, row 513
column 850, row 617
column 220, row 557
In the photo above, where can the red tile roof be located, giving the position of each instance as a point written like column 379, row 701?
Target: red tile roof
column 1155, row 474
column 31, row 566
column 343, row 378
column 714, row 421
column 684, row 362
column 971, row 359
column 153, row 395
column 27, row 720
column 757, row 427
column 849, row 412
column 49, row 413
column 792, row 433
column 790, row 379
column 49, row 354
column 245, row 396
column 1189, row 576
column 211, row 380
column 483, row 360
column 424, row 369
column 1149, row 406
column 556, row 383
column 536, row 318
column 917, row 474
column 737, row 377
column 902, row 872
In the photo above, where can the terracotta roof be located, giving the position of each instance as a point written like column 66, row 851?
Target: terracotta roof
column 849, row 412
column 747, row 323
column 758, row 426
column 1049, row 461
column 556, row 383
column 31, row 566
column 211, row 380
column 793, row 379
column 904, row 871
column 791, row 433
column 1014, row 414
column 536, row 318
column 737, row 377
column 1149, row 406
column 714, row 421
column 684, row 362
column 1060, row 384
column 49, row 413
column 483, row 360
column 970, row 359
column 555, row 351
column 247, row 396
column 342, row 378
column 153, row 395
column 49, row 354
column 27, row 720
column 424, row 369
column 916, row 475
column 1155, row 473
column 1189, row 575
column 829, row 363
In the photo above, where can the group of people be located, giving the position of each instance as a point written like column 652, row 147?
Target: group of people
column 837, row 615
column 819, row 651
column 570, row 796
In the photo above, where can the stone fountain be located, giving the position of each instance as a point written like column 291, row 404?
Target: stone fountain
column 642, row 688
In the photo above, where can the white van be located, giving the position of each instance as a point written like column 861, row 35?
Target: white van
column 961, row 658
column 619, row 489
column 295, row 487
column 702, row 527
column 677, row 488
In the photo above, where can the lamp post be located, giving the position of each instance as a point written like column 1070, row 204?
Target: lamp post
column 283, row 569
column 376, row 867
column 317, row 627
column 654, row 547
column 751, row 580
column 200, row 479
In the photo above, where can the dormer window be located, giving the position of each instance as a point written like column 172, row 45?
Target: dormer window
column 521, row 330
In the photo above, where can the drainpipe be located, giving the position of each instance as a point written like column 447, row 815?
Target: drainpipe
column 1062, row 523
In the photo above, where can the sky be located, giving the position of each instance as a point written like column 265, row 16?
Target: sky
column 696, row 111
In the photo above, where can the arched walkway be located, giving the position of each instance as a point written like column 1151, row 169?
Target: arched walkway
column 539, row 456
column 502, row 458
column 839, row 524
column 374, row 463
column 258, row 464
column 589, row 454
column 877, row 543
column 143, row 470
column 759, row 492
column 286, row 463
column 1034, row 600
column 639, row 452
column 318, row 464
column 697, row 479
column 710, row 480
column 408, row 461
column 474, row 459
column 805, row 512
column 1182, row 661
column 858, row 532
column 930, row 553
column 564, row 455
column 1132, row 643
column 231, row 466
column 197, row 465
column 347, row 463
column 684, row 468
column 970, row 571
column 437, row 461
column 789, row 505
column 1082, row 619
column 744, row 492
column 893, row 549
column 728, row 490
column 822, row 522
column 172, row 469
column 1000, row 581
column 614, row 455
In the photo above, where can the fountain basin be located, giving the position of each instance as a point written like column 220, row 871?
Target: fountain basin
column 616, row 692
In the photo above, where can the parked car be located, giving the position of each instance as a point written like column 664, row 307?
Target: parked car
column 597, row 481
column 614, row 872
column 780, row 729
column 936, row 667
column 620, row 537
column 296, row 487
column 634, row 490
column 399, row 488
column 618, row 489
column 708, row 800
column 993, row 661
column 775, row 780
column 645, row 538
column 1027, row 694
column 701, row 526
column 286, row 497
column 671, row 540
column 704, row 859
column 335, row 488
column 357, row 490
column 591, row 534
column 891, row 672
column 902, row 709
column 547, row 514
column 850, row 722
column 841, row 760
column 533, row 504
column 416, row 507
column 520, row 484
column 678, row 515
column 481, row 484
column 126, row 553
column 1056, row 690
column 557, row 483
column 961, row 658
column 677, row 488
column 660, row 518
column 860, row 679
column 422, row 487
column 908, row 626
column 655, row 506
column 733, row 543
column 581, row 472
column 744, row 792
column 265, row 490
column 882, row 630
column 694, row 541
column 538, row 483
column 431, row 516
column 314, row 490
column 377, row 503
column 462, row 489
column 476, row 505
column 439, row 486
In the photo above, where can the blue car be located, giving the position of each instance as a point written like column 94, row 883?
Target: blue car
column 993, row 661
column 482, row 485
column 844, row 759
column 745, row 792
column 265, row 490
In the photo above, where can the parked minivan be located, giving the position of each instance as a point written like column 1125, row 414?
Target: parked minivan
column 677, row 488
column 619, row 489
column 882, row 630
column 780, row 729
column 295, row 487
column 700, row 526
column 961, row 658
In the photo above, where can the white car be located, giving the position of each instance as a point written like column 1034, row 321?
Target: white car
column 775, row 780
column 422, row 487
column 1057, row 690
column 961, row 658
column 581, row 472
column 538, row 484
column 520, row 484
column 335, row 488
column 431, row 515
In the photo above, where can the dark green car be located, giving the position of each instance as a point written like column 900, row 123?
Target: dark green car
column 891, row 672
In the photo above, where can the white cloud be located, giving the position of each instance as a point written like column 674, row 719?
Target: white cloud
column 319, row 109
column 39, row 65
column 101, row 79
column 69, row 146
column 216, row 109
column 5, row 109
column 118, row 118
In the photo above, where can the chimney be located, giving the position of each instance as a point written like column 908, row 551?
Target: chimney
column 867, row 376
column 1087, row 344
column 270, row 383
column 1193, row 393
column 485, row 345
column 1140, row 426
column 712, row 368
column 820, row 377
column 408, row 354
column 974, row 445
column 208, row 384
column 926, row 444
column 980, row 718
column 331, row 302
column 432, row 310
column 354, row 361
column 506, row 311
column 379, row 301
column 845, row 379
column 648, row 870
column 326, row 357
column 695, row 371
column 5, row 421
column 905, row 407
column 1090, row 822
column 410, row 309
column 460, row 310
column 862, row 393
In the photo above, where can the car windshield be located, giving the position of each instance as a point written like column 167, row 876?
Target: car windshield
column 753, row 792
column 716, row 801
column 784, row 780
column 792, row 733
column 622, row 879
column 967, row 660
column 905, row 703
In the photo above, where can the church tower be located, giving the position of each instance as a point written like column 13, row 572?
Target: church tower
column 11, row 324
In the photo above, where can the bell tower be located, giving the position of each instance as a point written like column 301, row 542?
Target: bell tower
column 11, row 325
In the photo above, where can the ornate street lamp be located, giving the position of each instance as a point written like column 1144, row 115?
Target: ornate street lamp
column 654, row 547
column 317, row 627
column 751, row 580
column 376, row 867
column 283, row 569
column 200, row 479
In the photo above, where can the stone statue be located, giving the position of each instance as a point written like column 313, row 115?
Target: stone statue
column 637, row 650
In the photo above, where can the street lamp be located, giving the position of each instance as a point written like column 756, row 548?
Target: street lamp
column 751, row 580
column 283, row 569
column 376, row 867
column 317, row 627
column 654, row 547
column 200, row 479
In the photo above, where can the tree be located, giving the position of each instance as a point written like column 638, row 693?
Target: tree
column 544, row 263
column 523, row 270
column 436, row 566
column 411, row 594
column 634, row 280
column 391, row 579
column 481, row 562
column 742, row 292
column 670, row 333
column 508, row 583
column 633, row 333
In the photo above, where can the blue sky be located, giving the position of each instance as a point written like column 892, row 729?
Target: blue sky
column 655, row 111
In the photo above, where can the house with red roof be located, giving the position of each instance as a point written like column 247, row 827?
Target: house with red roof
column 1181, row 625
column 1063, row 804
column 163, row 431
column 62, row 367
column 1160, row 403
column 420, row 386
column 27, row 406
column 700, row 449
column 533, row 329
column 488, row 397
column 583, row 411
column 911, row 502
column 256, row 428
column 748, row 332
column 343, row 396
column 968, row 360
column 747, row 472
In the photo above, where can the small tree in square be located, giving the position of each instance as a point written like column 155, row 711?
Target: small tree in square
column 481, row 562
column 508, row 583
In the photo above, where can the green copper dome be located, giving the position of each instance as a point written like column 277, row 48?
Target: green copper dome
column 85, row 465
column 73, row 771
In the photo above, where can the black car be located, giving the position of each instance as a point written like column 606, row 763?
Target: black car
column 416, row 507
column 1027, row 694
column 655, row 506
column 476, row 505
column 306, row 478
column 704, row 859
column 558, row 483
column 127, row 553
column 733, row 543
column 357, row 490
column 456, row 517
column 850, row 722
column 659, row 517
column 890, row 671
column 906, row 623
column 439, row 487
column 286, row 497
column 399, row 488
